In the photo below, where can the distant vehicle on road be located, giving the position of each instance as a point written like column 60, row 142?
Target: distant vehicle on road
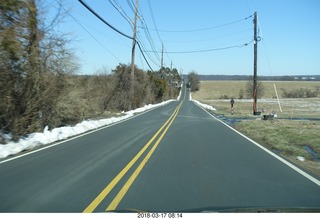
column 189, row 86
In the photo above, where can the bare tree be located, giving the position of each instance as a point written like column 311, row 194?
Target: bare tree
column 32, row 61
column 194, row 81
column 249, row 89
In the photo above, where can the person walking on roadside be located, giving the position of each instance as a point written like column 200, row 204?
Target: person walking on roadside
column 232, row 103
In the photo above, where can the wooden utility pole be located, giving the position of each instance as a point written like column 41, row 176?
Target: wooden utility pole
column 162, row 57
column 133, row 53
column 255, row 41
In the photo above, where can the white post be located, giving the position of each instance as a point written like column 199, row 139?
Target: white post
column 277, row 96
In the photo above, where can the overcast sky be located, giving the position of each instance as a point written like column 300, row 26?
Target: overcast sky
column 205, row 36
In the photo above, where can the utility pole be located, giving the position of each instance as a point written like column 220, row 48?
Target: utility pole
column 255, row 48
column 133, row 53
column 162, row 57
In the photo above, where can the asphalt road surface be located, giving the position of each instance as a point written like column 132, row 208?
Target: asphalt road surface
column 174, row 158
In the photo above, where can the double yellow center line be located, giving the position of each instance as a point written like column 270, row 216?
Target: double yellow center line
column 115, row 202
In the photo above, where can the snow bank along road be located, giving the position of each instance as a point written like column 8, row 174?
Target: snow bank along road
column 175, row 157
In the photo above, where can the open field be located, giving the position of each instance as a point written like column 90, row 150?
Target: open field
column 215, row 89
column 212, row 91
column 290, row 108
column 284, row 135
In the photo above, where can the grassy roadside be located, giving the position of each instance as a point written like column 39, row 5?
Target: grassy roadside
column 287, row 138
column 284, row 135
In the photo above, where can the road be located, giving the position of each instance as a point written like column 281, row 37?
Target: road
column 171, row 159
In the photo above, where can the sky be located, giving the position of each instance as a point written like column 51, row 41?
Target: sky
column 204, row 36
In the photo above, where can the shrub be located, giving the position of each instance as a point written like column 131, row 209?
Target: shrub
column 299, row 93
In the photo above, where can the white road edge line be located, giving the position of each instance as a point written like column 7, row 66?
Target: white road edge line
column 76, row 136
column 311, row 178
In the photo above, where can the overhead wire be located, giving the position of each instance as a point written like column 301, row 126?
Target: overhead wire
column 146, row 32
column 123, row 41
column 131, row 6
column 268, row 62
column 144, row 56
column 89, row 32
column 264, row 45
column 144, row 49
column 105, row 22
column 96, row 39
column 205, row 28
column 196, row 30
column 154, row 20
column 210, row 39
column 115, row 29
column 146, row 29
column 206, row 50
column 117, row 6
column 156, row 26
column 148, row 36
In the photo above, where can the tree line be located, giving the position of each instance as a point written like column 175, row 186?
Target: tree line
column 38, row 83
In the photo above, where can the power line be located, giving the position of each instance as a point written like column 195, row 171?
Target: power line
column 203, row 29
column 264, row 45
column 209, row 39
column 89, row 33
column 95, row 39
column 149, row 56
column 105, row 22
column 154, row 21
column 146, row 31
column 131, row 6
column 121, row 11
column 206, row 50
column 149, row 38
column 155, row 25
column 118, row 7
column 115, row 29
column 144, row 49
column 143, row 55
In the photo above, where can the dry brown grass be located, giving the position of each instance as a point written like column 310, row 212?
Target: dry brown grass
column 211, row 91
column 215, row 89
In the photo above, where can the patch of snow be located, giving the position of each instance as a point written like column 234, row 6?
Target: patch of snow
column 179, row 95
column 301, row 158
column 56, row 134
column 206, row 106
